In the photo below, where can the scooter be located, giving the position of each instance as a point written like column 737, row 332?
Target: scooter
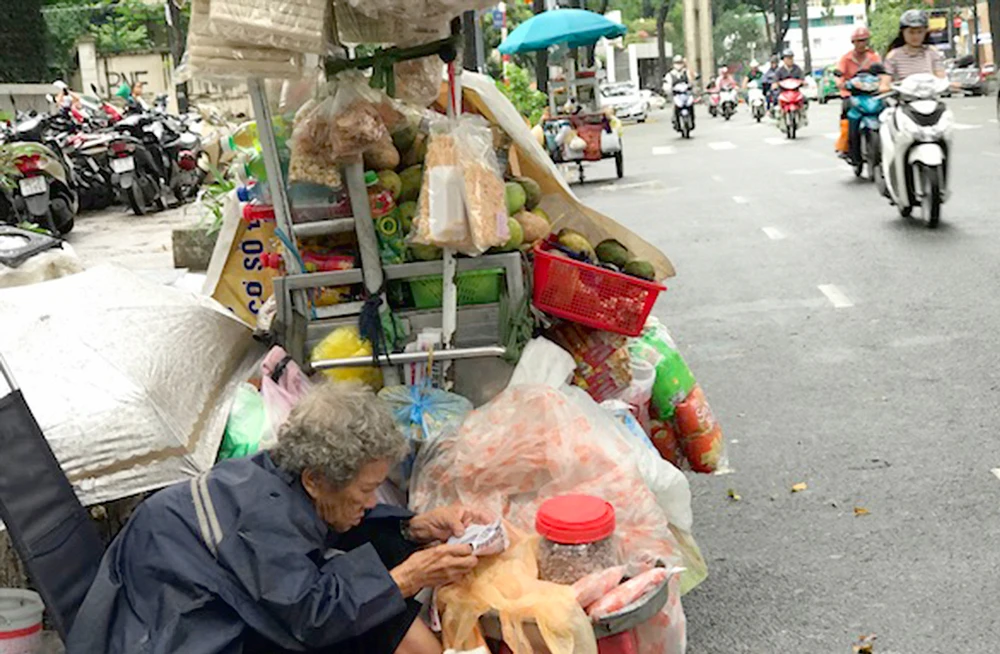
column 916, row 139
column 791, row 103
column 683, row 109
column 44, row 193
column 714, row 99
column 865, row 108
column 756, row 100
column 728, row 101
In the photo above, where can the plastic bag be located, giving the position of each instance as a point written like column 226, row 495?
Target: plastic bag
column 299, row 25
column 418, row 81
column 628, row 593
column 699, row 434
column 543, row 362
column 674, row 380
column 247, row 425
column 486, row 540
column 509, row 584
column 604, row 366
column 345, row 342
column 597, row 584
column 282, row 385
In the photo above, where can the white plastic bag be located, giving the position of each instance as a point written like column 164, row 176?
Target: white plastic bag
column 610, row 142
column 543, row 362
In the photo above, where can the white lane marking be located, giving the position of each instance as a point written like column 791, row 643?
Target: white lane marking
column 722, row 145
column 836, row 296
column 964, row 126
column 813, row 171
column 664, row 149
column 773, row 233
column 833, row 136
column 739, row 199
column 776, row 140
column 615, row 186
column 993, row 120
column 717, row 178
column 991, row 154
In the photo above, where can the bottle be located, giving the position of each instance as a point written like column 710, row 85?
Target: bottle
column 245, row 137
column 255, row 169
column 254, row 192
column 392, row 247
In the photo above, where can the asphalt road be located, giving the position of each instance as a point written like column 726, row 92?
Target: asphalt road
column 841, row 347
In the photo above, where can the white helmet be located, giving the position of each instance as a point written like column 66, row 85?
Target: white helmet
column 678, row 59
column 754, row 64
column 61, row 85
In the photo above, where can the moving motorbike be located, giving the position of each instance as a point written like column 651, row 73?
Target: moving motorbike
column 916, row 140
column 791, row 105
column 714, row 99
column 755, row 98
column 728, row 101
column 683, row 109
column 865, row 107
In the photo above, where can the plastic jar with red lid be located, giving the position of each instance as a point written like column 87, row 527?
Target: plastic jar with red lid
column 578, row 537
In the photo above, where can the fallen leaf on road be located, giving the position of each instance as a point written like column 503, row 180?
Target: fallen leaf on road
column 860, row 511
column 799, row 487
column 865, row 644
column 733, row 495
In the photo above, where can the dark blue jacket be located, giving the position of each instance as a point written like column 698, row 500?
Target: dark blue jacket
column 240, row 547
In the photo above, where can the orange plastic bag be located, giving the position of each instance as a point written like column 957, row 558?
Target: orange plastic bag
column 509, row 584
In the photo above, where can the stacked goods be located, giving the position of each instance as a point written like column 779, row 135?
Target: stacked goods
column 603, row 365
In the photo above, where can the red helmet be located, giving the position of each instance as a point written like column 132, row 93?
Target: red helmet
column 861, row 34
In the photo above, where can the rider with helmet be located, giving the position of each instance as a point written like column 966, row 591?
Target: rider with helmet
column 725, row 80
column 861, row 57
column 791, row 70
column 768, row 80
column 677, row 75
column 754, row 75
column 909, row 53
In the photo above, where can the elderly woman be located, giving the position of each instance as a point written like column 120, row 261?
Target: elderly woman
column 283, row 552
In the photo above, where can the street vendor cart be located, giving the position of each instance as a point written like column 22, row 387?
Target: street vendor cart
column 577, row 129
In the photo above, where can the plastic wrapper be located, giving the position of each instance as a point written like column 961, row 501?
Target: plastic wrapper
column 699, row 434
column 508, row 583
column 628, row 593
column 419, row 12
column 674, row 380
column 282, row 385
column 598, row 584
column 294, row 25
column 486, row 540
column 543, row 363
column 461, row 204
column 663, row 434
column 246, row 426
column 418, row 81
column 345, row 342
column 604, row 367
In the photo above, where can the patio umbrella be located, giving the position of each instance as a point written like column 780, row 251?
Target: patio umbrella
column 130, row 381
column 574, row 27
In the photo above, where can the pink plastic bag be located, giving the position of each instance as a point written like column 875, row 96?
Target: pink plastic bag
column 629, row 592
column 282, row 385
column 597, row 584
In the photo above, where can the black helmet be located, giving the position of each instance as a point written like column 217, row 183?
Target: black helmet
column 913, row 18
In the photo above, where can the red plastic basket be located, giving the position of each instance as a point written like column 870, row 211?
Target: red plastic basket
column 591, row 295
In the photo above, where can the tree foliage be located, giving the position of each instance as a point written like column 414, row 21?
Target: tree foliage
column 528, row 100
column 22, row 42
column 737, row 37
column 884, row 21
column 517, row 13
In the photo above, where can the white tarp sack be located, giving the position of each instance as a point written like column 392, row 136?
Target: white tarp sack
column 130, row 381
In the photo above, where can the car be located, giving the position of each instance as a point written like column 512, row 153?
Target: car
column 965, row 74
column 654, row 100
column 626, row 100
column 809, row 88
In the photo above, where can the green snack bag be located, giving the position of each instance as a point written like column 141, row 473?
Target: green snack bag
column 674, row 380
column 246, row 424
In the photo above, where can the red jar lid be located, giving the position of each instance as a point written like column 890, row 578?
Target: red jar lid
column 575, row 519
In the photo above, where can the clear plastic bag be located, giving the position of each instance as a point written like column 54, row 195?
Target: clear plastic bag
column 282, row 385
column 247, row 425
column 530, row 610
column 294, row 25
column 418, row 81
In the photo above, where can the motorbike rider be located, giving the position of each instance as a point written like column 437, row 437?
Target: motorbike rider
column 677, row 75
column 65, row 98
column 861, row 57
column 909, row 53
column 755, row 74
column 725, row 80
column 791, row 70
column 768, row 79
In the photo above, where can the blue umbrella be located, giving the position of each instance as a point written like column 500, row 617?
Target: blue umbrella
column 574, row 27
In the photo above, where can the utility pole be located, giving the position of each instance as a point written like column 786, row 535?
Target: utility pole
column 994, row 13
column 804, row 28
column 175, row 38
column 975, row 31
column 542, row 56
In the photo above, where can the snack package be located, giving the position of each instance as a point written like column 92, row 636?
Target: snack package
column 699, row 434
column 603, row 365
column 628, row 593
column 663, row 434
column 674, row 380
column 418, row 81
column 486, row 540
column 598, row 584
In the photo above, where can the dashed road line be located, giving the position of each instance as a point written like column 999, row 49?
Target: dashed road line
column 991, row 154
column 722, row 145
column 836, row 296
column 664, row 149
column 739, row 199
column 814, row 171
column 776, row 140
column 615, row 186
column 965, row 126
column 833, row 136
column 773, row 233
column 717, row 178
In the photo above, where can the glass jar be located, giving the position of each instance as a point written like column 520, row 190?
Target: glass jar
column 577, row 538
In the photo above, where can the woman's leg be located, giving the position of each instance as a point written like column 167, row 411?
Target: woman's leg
column 419, row 640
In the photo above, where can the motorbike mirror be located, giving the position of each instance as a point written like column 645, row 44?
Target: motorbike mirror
column 48, row 96
column 838, row 73
column 93, row 87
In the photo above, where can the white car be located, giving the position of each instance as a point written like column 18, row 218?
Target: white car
column 809, row 88
column 627, row 101
column 654, row 100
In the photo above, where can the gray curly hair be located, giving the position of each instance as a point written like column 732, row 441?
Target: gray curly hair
column 335, row 430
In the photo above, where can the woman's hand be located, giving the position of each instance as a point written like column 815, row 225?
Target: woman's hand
column 441, row 524
column 434, row 566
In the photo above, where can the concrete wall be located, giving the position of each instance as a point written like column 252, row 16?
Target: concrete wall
column 27, row 96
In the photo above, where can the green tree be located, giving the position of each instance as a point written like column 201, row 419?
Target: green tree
column 528, row 100
column 517, row 13
column 737, row 36
column 884, row 22
column 22, row 42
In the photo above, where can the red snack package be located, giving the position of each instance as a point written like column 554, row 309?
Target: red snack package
column 665, row 440
column 693, row 415
column 597, row 584
column 629, row 592
column 704, row 450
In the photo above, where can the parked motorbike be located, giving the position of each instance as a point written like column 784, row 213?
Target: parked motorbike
column 44, row 193
column 916, row 138
column 728, row 101
column 865, row 107
column 714, row 99
column 791, row 105
column 756, row 100
column 683, row 109
column 88, row 153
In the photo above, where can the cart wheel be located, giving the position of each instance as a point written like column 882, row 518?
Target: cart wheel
column 619, row 164
column 580, row 166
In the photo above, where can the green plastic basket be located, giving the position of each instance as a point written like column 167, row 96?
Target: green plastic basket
column 474, row 287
